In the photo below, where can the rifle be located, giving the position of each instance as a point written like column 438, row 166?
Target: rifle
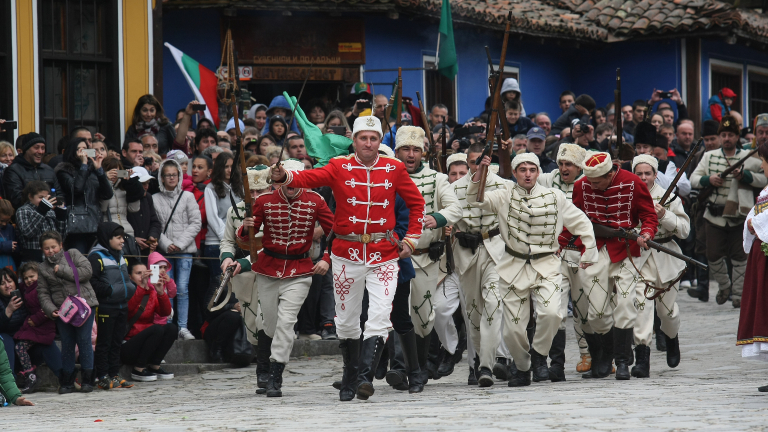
column 449, row 263
column 505, row 154
column 224, row 284
column 707, row 191
column 680, row 172
column 442, row 155
column 399, row 98
column 433, row 161
column 608, row 232
column 491, row 132
column 624, row 151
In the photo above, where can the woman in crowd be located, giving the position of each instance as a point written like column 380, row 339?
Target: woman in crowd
column 8, row 244
column 336, row 118
column 100, row 148
column 258, row 112
column 126, row 196
column 599, row 116
column 317, row 111
column 6, row 158
column 224, row 191
column 278, row 129
column 165, row 281
column 204, row 123
column 37, row 332
column 58, row 280
column 265, row 142
column 202, row 167
column 13, row 314
column 657, row 120
column 149, row 117
column 274, row 153
column 84, row 183
column 147, row 343
column 179, row 215
column 36, row 216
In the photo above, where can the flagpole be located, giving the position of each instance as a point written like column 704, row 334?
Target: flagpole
column 437, row 51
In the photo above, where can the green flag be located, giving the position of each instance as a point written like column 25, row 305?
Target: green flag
column 446, row 50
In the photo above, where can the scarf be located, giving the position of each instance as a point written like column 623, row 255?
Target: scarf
column 144, row 128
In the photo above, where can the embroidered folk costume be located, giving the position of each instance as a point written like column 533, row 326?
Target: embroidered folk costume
column 752, row 335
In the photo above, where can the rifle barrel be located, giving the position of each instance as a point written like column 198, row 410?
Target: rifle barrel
column 680, row 172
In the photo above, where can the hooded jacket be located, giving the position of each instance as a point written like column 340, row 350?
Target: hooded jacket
column 252, row 114
column 280, row 102
column 44, row 329
column 21, row 172
column 280, row 141
column 186, row 222
column 170, row 287
column 110, row 279
column 54, row 287
column 511, row 84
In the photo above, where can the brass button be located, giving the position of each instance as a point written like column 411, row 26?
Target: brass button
column 365, row 238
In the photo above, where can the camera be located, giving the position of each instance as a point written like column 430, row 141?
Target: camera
column 666, row 95
column 580, row 126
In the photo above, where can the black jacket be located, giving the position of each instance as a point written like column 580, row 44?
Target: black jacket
column 13, row 324
column 564, row 121
column 83, row 186
column 21, row 172
column 145, row 222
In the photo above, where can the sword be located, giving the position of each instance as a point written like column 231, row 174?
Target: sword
column 395, row 242
column 222, row 286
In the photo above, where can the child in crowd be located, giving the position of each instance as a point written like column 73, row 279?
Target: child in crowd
column 37, row 329
column 278, row 129
column 113, row 287
column 8, row 245
column 187, row 184
column 517, row 124
column 56, row 282
column 36, row 216
column 165, row 282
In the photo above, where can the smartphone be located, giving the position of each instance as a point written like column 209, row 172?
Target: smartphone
column 154, row 273
column 364, row 105
column 666, row 95
column 16, row 293
column 338, row 130
column 198, row 107
column 10, row 124
column 123, row 174
column 91, row 153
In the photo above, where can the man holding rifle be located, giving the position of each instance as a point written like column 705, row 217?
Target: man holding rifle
column 660, row 273
column 614, row 198
column 727, row 205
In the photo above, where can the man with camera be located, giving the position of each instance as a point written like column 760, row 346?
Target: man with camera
column 441, row 209
column 580, row 109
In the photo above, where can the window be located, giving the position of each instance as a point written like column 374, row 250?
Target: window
column 6, row 64
column 509, row 72
column 758, row 93
column 438, row 89
column 726, row 74
column 78, row 76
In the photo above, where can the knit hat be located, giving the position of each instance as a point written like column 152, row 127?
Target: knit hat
column 572, row 153
column 646, row 159
column 728, row 124
column 710, row 128
column 367, row 123
column 258, row 177
column 409, row 136
column 645, row 133
column 178, row 156
column 761, row 120
column 387, row 150
column 525, row 157
column 293, row 165
column 30, row 139
column 456, row 157
column 597, row 164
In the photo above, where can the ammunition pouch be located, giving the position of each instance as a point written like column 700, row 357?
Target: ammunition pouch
column 436, row 250
column 715, row 209
column 469, row 240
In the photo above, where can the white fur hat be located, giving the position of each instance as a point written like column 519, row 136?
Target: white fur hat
column 572, row 153
column 409, row 136
column 293, row 165
column 525, row 157
column 597, row 164
column 646, row 159
column 387, row 150
column 456, row 157
column 258, row 177
column 494, row 168
column 367, row 123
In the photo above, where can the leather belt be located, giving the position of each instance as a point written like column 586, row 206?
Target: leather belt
column 491, row 233
column 527, row 257
column 420, row 251
column 284, row 256
column 663, row 240
column 363, row 238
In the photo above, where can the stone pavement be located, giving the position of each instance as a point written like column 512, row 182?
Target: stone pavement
column 712, row 389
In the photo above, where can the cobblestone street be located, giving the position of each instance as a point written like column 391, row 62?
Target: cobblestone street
column 712, row 389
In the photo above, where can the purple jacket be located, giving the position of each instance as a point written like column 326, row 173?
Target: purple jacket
column 45, row 328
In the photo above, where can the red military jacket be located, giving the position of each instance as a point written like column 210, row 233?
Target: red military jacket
column 626, row 203
column 365, row 204
column 288, row 229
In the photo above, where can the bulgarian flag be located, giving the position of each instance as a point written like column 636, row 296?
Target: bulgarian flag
column 201, row 80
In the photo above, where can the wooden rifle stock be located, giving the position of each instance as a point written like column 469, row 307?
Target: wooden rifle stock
column 431, row 156
column 608, row 232
column 504, row 154
column 707, row 191
column 680, row 172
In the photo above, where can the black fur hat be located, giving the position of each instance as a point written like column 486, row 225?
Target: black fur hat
column 645, row 133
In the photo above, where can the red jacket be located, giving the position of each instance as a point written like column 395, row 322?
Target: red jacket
column 365, row 204
column 199, row 197
column 44, row 329
column 624, row 204
column 288, row 228
column 161, row 305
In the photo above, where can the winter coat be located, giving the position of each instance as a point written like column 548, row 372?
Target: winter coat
column 145, row 222
column 170, row 287
column 564, row 121
column 53, row 288
column 216, row 210
column 156, row 304
column 185, row 224
column 165, row 135
column 7, row 237
column 13, row 324
column 32, row 222
column 44, row 329
column 21, row 172
column 83, row 186
column 511, row 84
column 123, row 201
column 110, row 279
column 8, row 386
column 280, row 102
column 187, row 184
column 252, row 115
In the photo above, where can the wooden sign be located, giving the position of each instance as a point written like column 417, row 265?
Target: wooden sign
column 293, row 73
column 272, row 40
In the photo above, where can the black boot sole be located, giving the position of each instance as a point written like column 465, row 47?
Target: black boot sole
column 485, row 381
column 556, row 375
column 445, row 372
column 365, row 390
column 397, row 380
column 261, row 391
column 336, row 385
column 274, row 393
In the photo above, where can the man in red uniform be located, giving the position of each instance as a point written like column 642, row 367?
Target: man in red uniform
column 618, row 199
column 365, row 250
column 284, row 269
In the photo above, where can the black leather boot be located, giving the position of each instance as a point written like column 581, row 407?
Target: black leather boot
column 474, row 371
column 86, row 383
column 67, row 382
column 557, row 356
column 381, row 368
column 484, row 377
column 501, row 369
column 539, row 366
column 397, row 376
column 596, row 352
column 607, row 355
column 275, row 383
column 422, row 350
column 411, row 358
column 350, row 353
column 642, row 367
column 263, row 351
column 622, row 351
column 447, row 364
column 673, row 351
column 521, row 378
column 434, row 356
column 661, row 341
column 370, row 354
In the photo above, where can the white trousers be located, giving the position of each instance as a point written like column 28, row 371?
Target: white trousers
column 245, row 289
column 668, row 311
column 571, row 284
column 350, row 280
column 423, row 298
column 599, row 282
column 281, row 300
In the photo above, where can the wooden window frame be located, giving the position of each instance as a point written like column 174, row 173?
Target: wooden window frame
column 453, row 107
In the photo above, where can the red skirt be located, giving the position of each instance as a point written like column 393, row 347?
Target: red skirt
column 753, row 316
